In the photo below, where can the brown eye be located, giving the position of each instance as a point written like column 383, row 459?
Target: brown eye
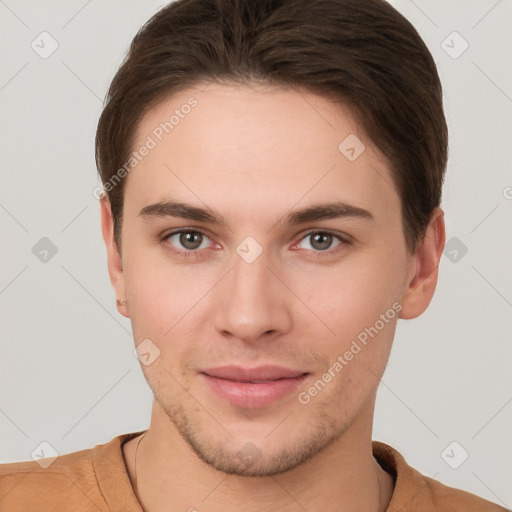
column 187, row 240
column 190, row 240
column 320, row 241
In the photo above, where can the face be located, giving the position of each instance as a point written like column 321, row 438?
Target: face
column 249, row 271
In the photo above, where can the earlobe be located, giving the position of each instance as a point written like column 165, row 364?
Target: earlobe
column 115, row 264
column 422, row 278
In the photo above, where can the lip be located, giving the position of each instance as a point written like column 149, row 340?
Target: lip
column 252, row 387
column 259, row 373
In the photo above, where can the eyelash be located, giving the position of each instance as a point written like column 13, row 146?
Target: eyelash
column 344, row 241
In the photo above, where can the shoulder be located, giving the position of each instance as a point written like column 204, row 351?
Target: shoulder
column 62, row 483
column 416, row 492
column 451, row 499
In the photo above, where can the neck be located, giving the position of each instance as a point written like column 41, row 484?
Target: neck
column 344, row 477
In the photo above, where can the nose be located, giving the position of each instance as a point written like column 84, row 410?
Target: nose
column 252, row 304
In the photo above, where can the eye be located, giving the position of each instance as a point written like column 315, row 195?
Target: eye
column 322, row 241
column 193, row 242
column 186, row 242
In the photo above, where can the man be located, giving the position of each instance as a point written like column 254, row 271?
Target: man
column 272, row 177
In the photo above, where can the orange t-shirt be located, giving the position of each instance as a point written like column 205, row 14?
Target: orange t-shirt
column 97, row 480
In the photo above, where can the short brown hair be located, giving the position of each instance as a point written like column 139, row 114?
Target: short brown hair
column 362, row 53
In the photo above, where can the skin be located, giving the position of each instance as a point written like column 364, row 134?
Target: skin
column 252, row 154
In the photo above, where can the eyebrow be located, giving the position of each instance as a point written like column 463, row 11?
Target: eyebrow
column 324, row 211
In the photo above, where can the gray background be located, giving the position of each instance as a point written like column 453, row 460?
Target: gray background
column 68, row 375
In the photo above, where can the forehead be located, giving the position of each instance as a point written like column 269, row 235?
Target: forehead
column 253, row 142
column 232, row 115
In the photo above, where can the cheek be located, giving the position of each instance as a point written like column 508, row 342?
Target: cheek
column 351, row 296
column 358, row 305
column 165, row 299
column 357, row 357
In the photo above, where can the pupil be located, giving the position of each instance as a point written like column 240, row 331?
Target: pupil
column 189, row 240
column 326, row 243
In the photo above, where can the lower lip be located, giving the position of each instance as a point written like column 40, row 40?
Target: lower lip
column 253, row 395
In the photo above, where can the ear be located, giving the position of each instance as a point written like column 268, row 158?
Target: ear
column 423, row 270
column 115, row 264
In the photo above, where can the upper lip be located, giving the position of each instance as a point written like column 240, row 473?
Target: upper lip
column 260, row 373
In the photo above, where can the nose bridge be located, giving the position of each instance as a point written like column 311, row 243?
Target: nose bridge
column 249, row 279
column 251, row 304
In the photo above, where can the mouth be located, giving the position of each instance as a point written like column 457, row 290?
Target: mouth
column 252, row 387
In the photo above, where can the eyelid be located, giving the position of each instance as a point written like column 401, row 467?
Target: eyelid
column 184, row 230
column 344, row 237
